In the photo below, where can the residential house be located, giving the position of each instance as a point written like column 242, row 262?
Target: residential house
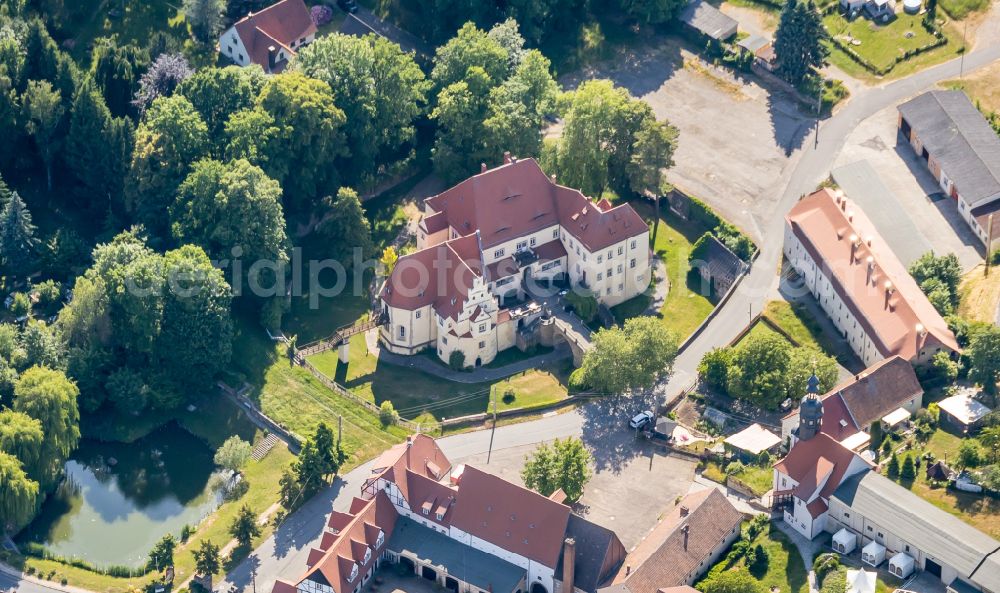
column 688, row 541
column 459, row 527
column 850, row 409
column 271, row 37
column 500, row 237
column 872, row 300
column 962, row 151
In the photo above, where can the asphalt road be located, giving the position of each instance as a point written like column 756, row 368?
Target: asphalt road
column 284, row 553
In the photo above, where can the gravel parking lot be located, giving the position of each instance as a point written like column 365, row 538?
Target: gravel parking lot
column 735, row 136
column 876, row 140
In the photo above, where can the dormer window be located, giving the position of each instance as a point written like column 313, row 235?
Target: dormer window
column 380, row 539
column 425, row 511
column 440, row 516
column 354, row 573
column 368, row 555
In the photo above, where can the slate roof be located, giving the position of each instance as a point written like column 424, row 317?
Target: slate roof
column 663, row 560
column 919, row 523
column 957, row 135
column 481, row 570
column 599, row 553
column 722, row 262
column 708, row 20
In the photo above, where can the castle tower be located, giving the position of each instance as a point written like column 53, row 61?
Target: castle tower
column 810, row 411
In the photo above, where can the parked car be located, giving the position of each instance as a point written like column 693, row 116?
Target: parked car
column 348, row 6
column 641, row 419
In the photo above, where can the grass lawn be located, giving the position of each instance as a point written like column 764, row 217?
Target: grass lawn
column 959, row 9
column 759, row 479
column 800, row 325
column 982, row 512
column 785, row 571
column 982, row 86
column 979, row 295
column 880, row 44
column 759, row 329
column 413, row 392
column 687, row 304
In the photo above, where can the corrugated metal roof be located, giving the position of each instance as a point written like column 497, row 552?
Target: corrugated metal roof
column 709, row 20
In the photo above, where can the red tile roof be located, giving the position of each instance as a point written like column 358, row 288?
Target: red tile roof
column 334, row 565
column 510, row 516
column 280, row 24
column 667, row 556
column 517, row 198
column 809, row 458
column 441, row 275
column 900, row 320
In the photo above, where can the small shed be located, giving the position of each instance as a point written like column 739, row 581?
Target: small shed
column 753, row 440
column 901, row 565
column 963, row 411
column 708, row 20
column 860, row 581
column 716, row 263
column 873, row 554
column 894, row 419
column 664, row 428
column 844, row 541
column 857, row 442
column 940, row 472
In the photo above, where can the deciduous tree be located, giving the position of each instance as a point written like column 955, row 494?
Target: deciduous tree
column 162, row 78
column 171, row 136
column 49, row 396
column 206, row 558
column 205, row 17
column 652, row 155
column 42, row 110
column 565, row 464
column 632, row 357
column 18, row 494
column 244, row 527
column 218, row 93
column 233, row 454
column 380, row 89
column 343, row 227
column 984, row 359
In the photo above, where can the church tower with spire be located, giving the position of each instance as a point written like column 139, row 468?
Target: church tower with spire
column 810, row 411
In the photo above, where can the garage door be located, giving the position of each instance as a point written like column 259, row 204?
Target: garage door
column 932, row 568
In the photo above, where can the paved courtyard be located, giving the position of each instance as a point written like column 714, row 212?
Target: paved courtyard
column 735, row 136
column 913, row 193
column 627, row 498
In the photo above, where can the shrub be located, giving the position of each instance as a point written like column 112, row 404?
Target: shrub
column 734, row 468
column 387, row 413
column 757, row 560
column 825, row 563
column 584, row 304
column 456, row 360
column 835, row 582
column 509, row 396
column 321, row 14
column 21, row 305
column 49, row 293
column 970, row 454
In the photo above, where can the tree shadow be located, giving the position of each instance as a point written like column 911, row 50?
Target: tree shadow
column 789, row 126
column 606, row 432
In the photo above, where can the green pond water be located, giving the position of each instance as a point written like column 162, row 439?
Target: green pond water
column 119, row 499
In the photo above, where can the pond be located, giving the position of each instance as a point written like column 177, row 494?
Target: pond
column 119, row 499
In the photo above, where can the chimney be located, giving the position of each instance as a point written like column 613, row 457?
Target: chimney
column 684, row 511
column 506, row 157
column 685, row 530
column 871, row 267
column 569, row 564
column 553, row 177
column 272, row 55
column 628, row 569
column 843, row 204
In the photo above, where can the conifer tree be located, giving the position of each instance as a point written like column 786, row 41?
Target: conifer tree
column 17, row 237
column 798, row 42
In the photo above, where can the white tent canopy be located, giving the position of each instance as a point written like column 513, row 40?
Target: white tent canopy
column 896, row 417
column 873, row 554
column 901, row 565
column 860, row 581
column 753, row 439
column 844, row 541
